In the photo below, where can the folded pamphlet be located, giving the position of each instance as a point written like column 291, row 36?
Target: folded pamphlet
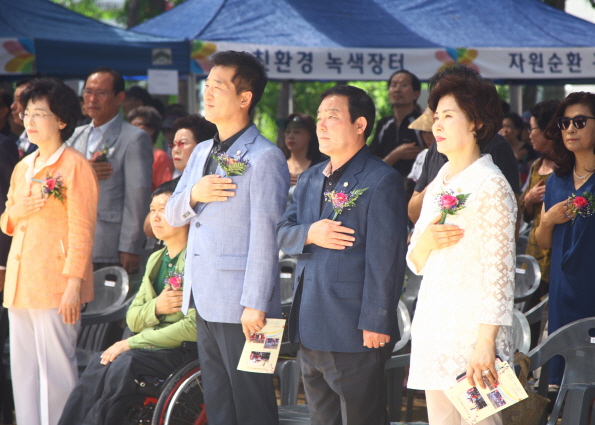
column 476, row 403
column 260, row 354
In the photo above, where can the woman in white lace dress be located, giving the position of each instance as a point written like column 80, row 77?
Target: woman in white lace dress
column 463, row 317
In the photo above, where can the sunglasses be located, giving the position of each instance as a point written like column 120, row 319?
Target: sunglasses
column 580, row 121
column 179, row 145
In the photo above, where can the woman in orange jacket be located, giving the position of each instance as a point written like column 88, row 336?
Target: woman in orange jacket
column 50, row 212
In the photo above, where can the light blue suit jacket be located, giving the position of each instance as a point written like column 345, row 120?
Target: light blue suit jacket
column 232, row 255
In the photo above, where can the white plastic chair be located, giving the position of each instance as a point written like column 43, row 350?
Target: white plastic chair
column 404, row 326
column 527, row 280
column 521, row 332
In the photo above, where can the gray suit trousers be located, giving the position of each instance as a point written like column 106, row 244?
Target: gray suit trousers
column 345, row 388
column 232, row 397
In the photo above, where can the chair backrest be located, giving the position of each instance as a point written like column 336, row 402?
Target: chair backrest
column 521, row 244
column 111, row 287
column 535, row 315
column 521, row 332
column 412, row 284
column 287, row 268
column 527, row 279
column 404, row 326
column 574, row 343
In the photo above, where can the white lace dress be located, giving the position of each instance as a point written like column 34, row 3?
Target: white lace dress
column 467, row 284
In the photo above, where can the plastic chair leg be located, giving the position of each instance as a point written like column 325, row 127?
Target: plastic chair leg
column 578, row 404
column 395, row 379
column 289, row 376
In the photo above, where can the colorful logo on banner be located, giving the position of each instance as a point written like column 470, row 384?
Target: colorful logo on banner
column 460, row 55
column 18, row 56
column 201, row 51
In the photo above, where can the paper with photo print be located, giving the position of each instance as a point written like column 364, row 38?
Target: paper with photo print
column 261, row 353
column 475, row 403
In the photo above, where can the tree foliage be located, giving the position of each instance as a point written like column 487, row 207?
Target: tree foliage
column 305, row 101
column 133, row 13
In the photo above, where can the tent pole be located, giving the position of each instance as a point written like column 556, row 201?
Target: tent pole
column 191, row 87
column 516, row 98
column 284, row 103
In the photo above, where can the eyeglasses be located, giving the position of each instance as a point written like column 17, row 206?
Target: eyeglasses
column 99, row 93
column 580, row 121
column 35, row 115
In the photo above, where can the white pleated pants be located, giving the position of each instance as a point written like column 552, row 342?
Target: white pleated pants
column 441, row 411
column 42, row 364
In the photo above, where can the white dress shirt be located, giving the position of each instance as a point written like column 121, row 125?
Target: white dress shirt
column 96, row 135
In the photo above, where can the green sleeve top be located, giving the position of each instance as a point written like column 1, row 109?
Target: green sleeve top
column 164, row 331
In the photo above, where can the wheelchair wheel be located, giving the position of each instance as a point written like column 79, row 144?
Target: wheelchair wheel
column 181, row 401
column 131, row 410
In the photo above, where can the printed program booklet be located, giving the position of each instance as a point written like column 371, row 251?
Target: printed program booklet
column 476, row 403
column 261, row 353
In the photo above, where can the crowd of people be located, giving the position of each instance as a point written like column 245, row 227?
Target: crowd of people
column 442, row 192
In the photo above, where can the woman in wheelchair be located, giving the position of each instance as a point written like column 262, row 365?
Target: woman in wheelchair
column 156, row 318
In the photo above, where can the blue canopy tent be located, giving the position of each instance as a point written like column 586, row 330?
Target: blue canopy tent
column 44, row 37
column 505, row 39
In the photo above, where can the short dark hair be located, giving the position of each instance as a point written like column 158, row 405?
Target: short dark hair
column 24, row 81
column 309, row 124
column 517, row 121
column 199, row 126
column 116, row 76
column 477, row 98
column 62, row 100
column 167, row 188
column 458, row 69
column 250, row 73
column 415, row 83
column 139, row 93
column 544, row 111
column 359, row 102
column 564, row 158
column 151, row 117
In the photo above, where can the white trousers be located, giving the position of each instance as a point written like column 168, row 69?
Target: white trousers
column 42, row 364
column 441, row 411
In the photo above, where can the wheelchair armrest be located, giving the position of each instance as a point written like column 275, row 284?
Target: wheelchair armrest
column 190, row 345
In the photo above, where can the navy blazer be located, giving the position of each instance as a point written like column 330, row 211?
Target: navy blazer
column 340, row 293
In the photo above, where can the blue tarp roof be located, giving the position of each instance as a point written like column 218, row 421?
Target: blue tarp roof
column 375, row 23
column 69, row 44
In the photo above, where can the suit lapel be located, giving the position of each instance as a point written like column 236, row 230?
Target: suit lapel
column 202, row 157
column 110, row 137
column 80, row 141
column 240, row 147
column 315, row 192
column 349, row 180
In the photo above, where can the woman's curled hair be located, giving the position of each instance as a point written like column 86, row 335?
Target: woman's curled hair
column 477, row 98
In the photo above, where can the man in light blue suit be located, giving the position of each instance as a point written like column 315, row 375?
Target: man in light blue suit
column 350, row 270
column 232, row 273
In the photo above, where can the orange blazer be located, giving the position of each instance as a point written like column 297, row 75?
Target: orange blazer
column 56, row 242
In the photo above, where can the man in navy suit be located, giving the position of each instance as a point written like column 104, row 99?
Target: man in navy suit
column 350, row 271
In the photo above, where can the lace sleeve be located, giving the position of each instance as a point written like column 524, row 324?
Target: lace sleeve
column 496, row 217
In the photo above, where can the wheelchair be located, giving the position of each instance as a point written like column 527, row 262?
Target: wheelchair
column 178, row 400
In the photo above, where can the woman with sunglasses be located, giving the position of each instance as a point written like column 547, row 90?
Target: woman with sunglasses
column 567, row 220
column 189, row 132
